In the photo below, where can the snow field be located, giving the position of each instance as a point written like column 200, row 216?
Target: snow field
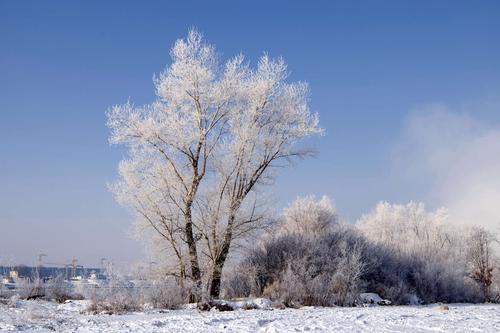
column 43, row 316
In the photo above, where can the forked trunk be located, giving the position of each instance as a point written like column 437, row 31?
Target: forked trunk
column 216, row 276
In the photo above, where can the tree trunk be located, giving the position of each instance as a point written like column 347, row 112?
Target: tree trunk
column 219, row 262
column 216, row 281
column 486, row 293
column 193, row 254
column 182, row 274
column 216, row 276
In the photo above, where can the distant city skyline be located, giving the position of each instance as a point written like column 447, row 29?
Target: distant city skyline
column 408, row 94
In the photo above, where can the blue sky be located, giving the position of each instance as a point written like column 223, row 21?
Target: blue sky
column 371, row 66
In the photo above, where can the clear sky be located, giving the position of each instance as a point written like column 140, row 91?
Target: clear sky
column 385, row 76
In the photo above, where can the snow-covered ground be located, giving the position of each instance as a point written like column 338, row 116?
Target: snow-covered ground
column 43, row 316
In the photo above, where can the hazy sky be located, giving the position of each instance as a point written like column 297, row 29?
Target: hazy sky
column 408, row 92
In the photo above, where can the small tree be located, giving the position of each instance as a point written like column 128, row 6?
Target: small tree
column 481, row 258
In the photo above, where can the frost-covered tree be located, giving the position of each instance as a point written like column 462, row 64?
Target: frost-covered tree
column 481, row 258
column 268, row 121
column 409, row 228
column 431, row 249
column 198, row 153
column 309, row 217
column 172, row 140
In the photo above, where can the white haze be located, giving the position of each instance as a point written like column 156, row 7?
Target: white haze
column 454, row 157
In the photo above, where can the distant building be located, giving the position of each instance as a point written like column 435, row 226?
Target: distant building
column 13, row 274
column 46, row 273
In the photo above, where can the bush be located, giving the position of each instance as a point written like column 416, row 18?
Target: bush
column 27, row 289
column 114, row 300
column 4, row 292
column 419, row 255
column 163, row 293
column 335, row 268
column 119, row 296
column 60, row 291
column 300, row 270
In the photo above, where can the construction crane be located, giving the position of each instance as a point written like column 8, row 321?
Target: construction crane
column 73, row 267
column 40, row 258
column 70, row 269
column 39, row 267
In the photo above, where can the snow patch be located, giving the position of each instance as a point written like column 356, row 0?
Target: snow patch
column 372, row 298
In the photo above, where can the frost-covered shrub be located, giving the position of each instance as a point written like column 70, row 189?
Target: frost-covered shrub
column 289, row 289
column 403, row 278
column 297, row 269
column 163, row 293
column 61, row 291
column 237, row 283
column 336, row 268
column 418, row 254
column 4, row 292
column 120, row 295
column 116, row 297
column 401, row 252
column 28, row 289
column 118, row 301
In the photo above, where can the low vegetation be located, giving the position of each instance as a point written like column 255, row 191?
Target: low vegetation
column 402, row 253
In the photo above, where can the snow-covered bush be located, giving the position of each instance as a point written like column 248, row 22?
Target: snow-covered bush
column 298, row 269
column 28, row 289
column 163, row 293
column 418, row 253
column 118, row 296
column 147, row 291
column 400, row 252
column 311, row 259
column 236, row 282
column 114, row 301
column 60, row 290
